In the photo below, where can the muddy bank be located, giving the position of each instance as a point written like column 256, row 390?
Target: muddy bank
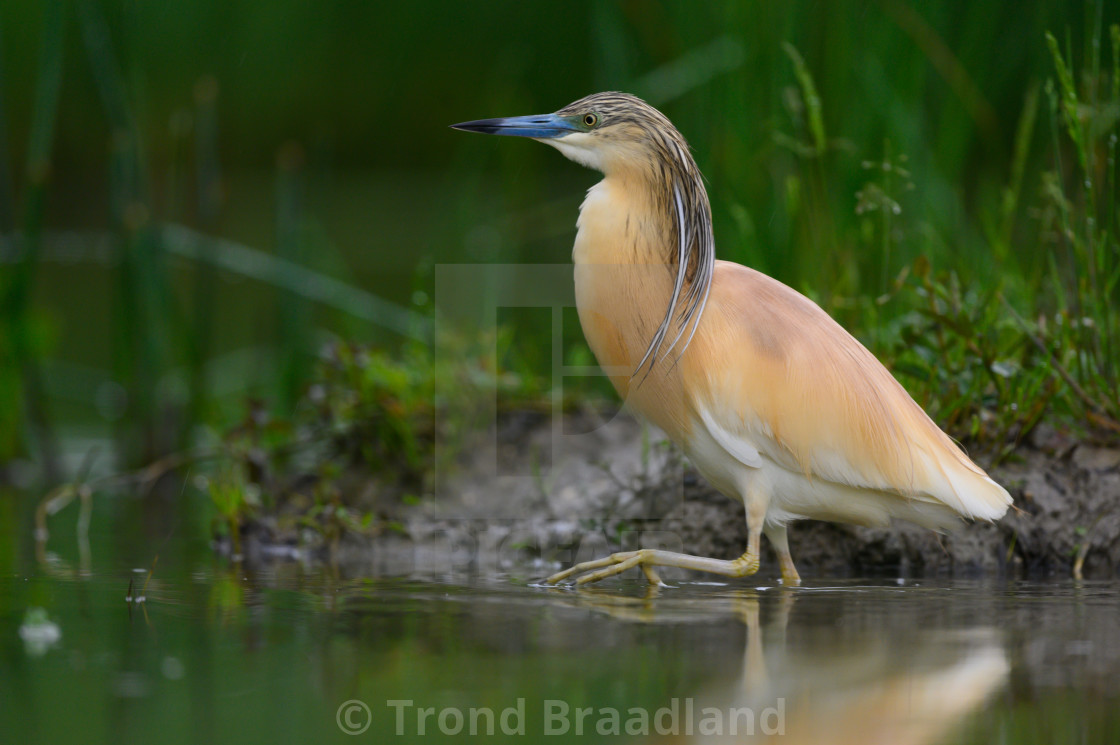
column 589, row 484
column 541, row 493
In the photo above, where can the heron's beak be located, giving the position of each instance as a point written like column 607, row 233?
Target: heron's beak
column 541, row 127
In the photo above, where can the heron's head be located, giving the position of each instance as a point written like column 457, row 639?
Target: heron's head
column 617, row 133
column 605, row 131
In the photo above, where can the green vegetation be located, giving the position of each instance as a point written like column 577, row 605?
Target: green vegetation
column 984, row 370
column 950, row 198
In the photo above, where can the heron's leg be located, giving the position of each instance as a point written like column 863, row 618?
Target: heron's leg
column 779, row 540
column 646, row 558
column 593, row 571
column 756, row 517
column 651, row 575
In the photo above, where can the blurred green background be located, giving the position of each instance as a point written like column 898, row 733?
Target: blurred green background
column 134, row 133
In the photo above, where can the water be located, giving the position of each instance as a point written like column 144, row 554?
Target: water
column 301, row 653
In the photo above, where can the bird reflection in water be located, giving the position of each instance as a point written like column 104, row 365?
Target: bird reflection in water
column 831, row 685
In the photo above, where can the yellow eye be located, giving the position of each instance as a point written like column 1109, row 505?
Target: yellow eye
column 590, row 120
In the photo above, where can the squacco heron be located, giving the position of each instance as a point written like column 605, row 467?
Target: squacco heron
column 773, row 402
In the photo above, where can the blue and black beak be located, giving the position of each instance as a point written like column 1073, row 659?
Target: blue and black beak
column 541, row 127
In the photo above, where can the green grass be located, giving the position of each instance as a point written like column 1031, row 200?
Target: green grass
column 1085, row 223
column 990, row 360
column 986, row 367
column 22, row 332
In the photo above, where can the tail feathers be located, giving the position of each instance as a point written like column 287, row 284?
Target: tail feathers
column 963, row 486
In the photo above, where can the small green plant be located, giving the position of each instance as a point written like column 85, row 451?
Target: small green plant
column 329, row 516
column 379, row 410
column 967, row 362
column 236, row 500
column 366, row 424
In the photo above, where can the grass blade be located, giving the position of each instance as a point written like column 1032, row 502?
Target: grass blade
column 811, row 97
column 250, row 262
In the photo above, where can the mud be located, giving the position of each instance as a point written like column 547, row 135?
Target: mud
column 543, row 493
column 583, row 488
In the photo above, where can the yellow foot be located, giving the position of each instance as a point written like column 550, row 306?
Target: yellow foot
column 647, row 558
column 790, row 577
column 608, row 567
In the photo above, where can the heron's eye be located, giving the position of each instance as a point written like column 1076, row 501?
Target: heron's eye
column 590, row 120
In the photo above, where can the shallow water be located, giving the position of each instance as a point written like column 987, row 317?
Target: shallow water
column 290, row 653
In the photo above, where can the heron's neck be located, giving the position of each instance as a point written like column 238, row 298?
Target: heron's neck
column 644, row 254
column 624, row 220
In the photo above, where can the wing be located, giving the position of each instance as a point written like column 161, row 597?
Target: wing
column 798, row 389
